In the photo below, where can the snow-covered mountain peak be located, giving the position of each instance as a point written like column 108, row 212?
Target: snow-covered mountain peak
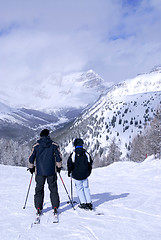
column 143, row 83
column 156, row 69
column 57, row 91
column 120, row 114
column 52, row 102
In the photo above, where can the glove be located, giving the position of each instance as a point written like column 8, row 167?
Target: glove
column 69, row 174
column 58, row 169
column 32, row 170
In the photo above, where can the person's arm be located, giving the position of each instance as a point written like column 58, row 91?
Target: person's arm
column 58, row 157
column 90, row 163
column 70, row 165
column 31, row 161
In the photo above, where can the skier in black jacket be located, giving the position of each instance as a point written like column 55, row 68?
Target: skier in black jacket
column 48, row 160
column 79, row 164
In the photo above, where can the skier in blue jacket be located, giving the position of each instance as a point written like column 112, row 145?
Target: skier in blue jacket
column 79, row 164
column 48, row 160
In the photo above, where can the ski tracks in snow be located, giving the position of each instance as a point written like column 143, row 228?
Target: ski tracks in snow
column 92, row 235
column 138, row 211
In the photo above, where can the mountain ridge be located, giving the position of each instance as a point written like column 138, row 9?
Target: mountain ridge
column 120, row 114
column 54, row 102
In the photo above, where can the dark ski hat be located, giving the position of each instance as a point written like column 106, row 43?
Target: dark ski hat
column 44, row 133
column 78, row 142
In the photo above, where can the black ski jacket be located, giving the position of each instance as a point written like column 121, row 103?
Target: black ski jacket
column 79, row 164
column 47, row 155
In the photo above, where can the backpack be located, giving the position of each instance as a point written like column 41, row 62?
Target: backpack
column 82, row 166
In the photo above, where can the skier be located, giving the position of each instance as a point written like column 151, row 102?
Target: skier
column 48, row 160
column 79, row 167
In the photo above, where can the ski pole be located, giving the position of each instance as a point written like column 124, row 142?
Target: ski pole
column 71, row 190
column 67, row 192
column 71, row 184
column 28, row 191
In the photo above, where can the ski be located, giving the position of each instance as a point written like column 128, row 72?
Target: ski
column 55, row 218
column 96, row 212
column 93, row 211
column 37, row 219
column 69, row 202
column 99, row 213
column 38, row 216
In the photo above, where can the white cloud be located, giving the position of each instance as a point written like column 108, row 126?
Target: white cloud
column 116, row 40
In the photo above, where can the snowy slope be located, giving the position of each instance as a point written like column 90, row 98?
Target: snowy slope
column 123, row 118
column 144, row 83
column 121, row 113
column 127, row 193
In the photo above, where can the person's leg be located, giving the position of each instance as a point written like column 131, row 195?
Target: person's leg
column 87, row 194
column 80, row 190
column 86, row 191
column 39, row 192
column 54, row 196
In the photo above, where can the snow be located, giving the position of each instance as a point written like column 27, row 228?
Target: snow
column 139, row 108
column 140, row 84
column 128, row 194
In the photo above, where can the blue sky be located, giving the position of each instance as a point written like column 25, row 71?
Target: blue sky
column 116, row 38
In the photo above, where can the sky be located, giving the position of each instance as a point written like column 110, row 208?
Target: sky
column 118, row 39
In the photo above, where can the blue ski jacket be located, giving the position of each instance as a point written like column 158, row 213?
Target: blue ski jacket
column 47, row 156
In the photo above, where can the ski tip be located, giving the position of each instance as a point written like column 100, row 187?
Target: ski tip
column 100, row 214
column 55, row 218
column 55, row 221
column 31, row 226
column 38, row 222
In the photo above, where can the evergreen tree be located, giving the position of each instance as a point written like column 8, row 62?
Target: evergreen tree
column 113, row 153
column 154, row 135
column 14, row 153
column 149, row 142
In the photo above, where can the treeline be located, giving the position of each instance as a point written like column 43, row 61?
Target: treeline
column 13, row 153
column 144, row 144
column 148, row 143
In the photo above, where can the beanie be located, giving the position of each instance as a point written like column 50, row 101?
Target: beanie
column 44, row 133
column 78, row 142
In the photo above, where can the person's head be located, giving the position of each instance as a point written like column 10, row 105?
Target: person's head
column 44, row 133
column 78, row 142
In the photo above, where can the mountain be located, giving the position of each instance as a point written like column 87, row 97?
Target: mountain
column 119, row 115
column 113, row 121
column 56, row 92
column 55, row 101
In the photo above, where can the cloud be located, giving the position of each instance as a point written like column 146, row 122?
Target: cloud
column 115, row 38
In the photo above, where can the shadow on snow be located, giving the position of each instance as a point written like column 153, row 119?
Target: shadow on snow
column 97, row 200
column 101, row 198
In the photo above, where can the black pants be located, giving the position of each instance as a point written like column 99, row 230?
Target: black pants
column 39, row 191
